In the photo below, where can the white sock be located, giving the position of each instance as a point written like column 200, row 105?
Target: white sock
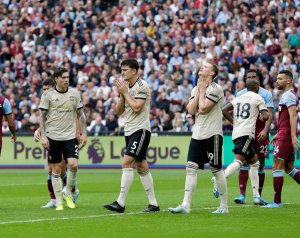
column 126, row 181
column 71, row 180
column 147, row 181
column 222, row 187
column 57, row 187
column 232, row 168
column 190, row 184
column 253, row 174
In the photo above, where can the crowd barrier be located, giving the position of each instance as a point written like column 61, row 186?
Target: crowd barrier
column 164, row 152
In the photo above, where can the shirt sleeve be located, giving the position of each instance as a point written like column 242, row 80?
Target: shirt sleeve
column 289, row 99
column 44, row 105
column 193, row 93
column 6, row 107
column 143, row 93
column 215, row 94
column 269, row 100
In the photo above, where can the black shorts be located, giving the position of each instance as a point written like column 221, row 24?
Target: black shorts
column 69, row 149
column 244, row 146
column 206, row 151
column 137, row 144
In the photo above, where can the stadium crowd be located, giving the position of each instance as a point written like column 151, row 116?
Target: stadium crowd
column 170, row 39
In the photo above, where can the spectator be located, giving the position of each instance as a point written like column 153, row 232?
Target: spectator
column 112, row 124
column 170, row 40
column 98, row 129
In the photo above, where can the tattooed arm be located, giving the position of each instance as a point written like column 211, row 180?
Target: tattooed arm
column 82, row 120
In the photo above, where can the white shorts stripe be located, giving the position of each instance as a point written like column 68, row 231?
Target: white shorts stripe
column 141, row 142
column 245, row 148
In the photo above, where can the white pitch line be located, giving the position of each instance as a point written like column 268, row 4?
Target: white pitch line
column 116, row 214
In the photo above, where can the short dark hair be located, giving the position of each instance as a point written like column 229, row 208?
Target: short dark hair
column 131, row 63
column 258, row 74
column 49, row 81
column 252, row 71
column 59, row 71
column 287, row 73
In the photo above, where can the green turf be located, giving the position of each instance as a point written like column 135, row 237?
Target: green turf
column 22, row 192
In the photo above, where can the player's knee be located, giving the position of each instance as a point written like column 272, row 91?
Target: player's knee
column 73, row 164
column 261, row 163
column 191, row 168
column 215, row 170
column 256, row 164
column 238, row 161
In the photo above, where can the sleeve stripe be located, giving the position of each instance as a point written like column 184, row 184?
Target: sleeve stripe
column 264, row 110
column 211, row 99
column 7, row 114
column 44, row 109
column 79, row 108
column 140, row 98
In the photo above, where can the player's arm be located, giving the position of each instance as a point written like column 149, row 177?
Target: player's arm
column 264, row 133
column 226, row 112
column 37, row 135
column 136, row 104
column 120, row 108
column 78, row 129
column 82, row 124
column 293, row 123
column 270, row 105
column 9, row 117
column 192, row 106
column 11, row 126
column 269, row 121
column 264, row 115
column 205, row 104
column 43, row 117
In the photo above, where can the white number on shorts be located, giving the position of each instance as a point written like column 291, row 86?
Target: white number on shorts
column 210, row 157
column 133, row 147
column 263, row 149
column 276, row 149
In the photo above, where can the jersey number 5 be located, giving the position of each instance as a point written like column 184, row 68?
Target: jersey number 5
column 243, row 110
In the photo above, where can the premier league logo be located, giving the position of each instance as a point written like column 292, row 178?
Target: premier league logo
column 96, row 151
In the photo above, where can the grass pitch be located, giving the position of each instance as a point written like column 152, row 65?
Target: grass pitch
column 23, row 192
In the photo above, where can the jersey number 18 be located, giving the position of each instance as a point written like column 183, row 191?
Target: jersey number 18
column 243, row 110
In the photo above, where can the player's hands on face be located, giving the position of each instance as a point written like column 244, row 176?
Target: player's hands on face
column 122, row 86
column 45, row 142
column 295, row 143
